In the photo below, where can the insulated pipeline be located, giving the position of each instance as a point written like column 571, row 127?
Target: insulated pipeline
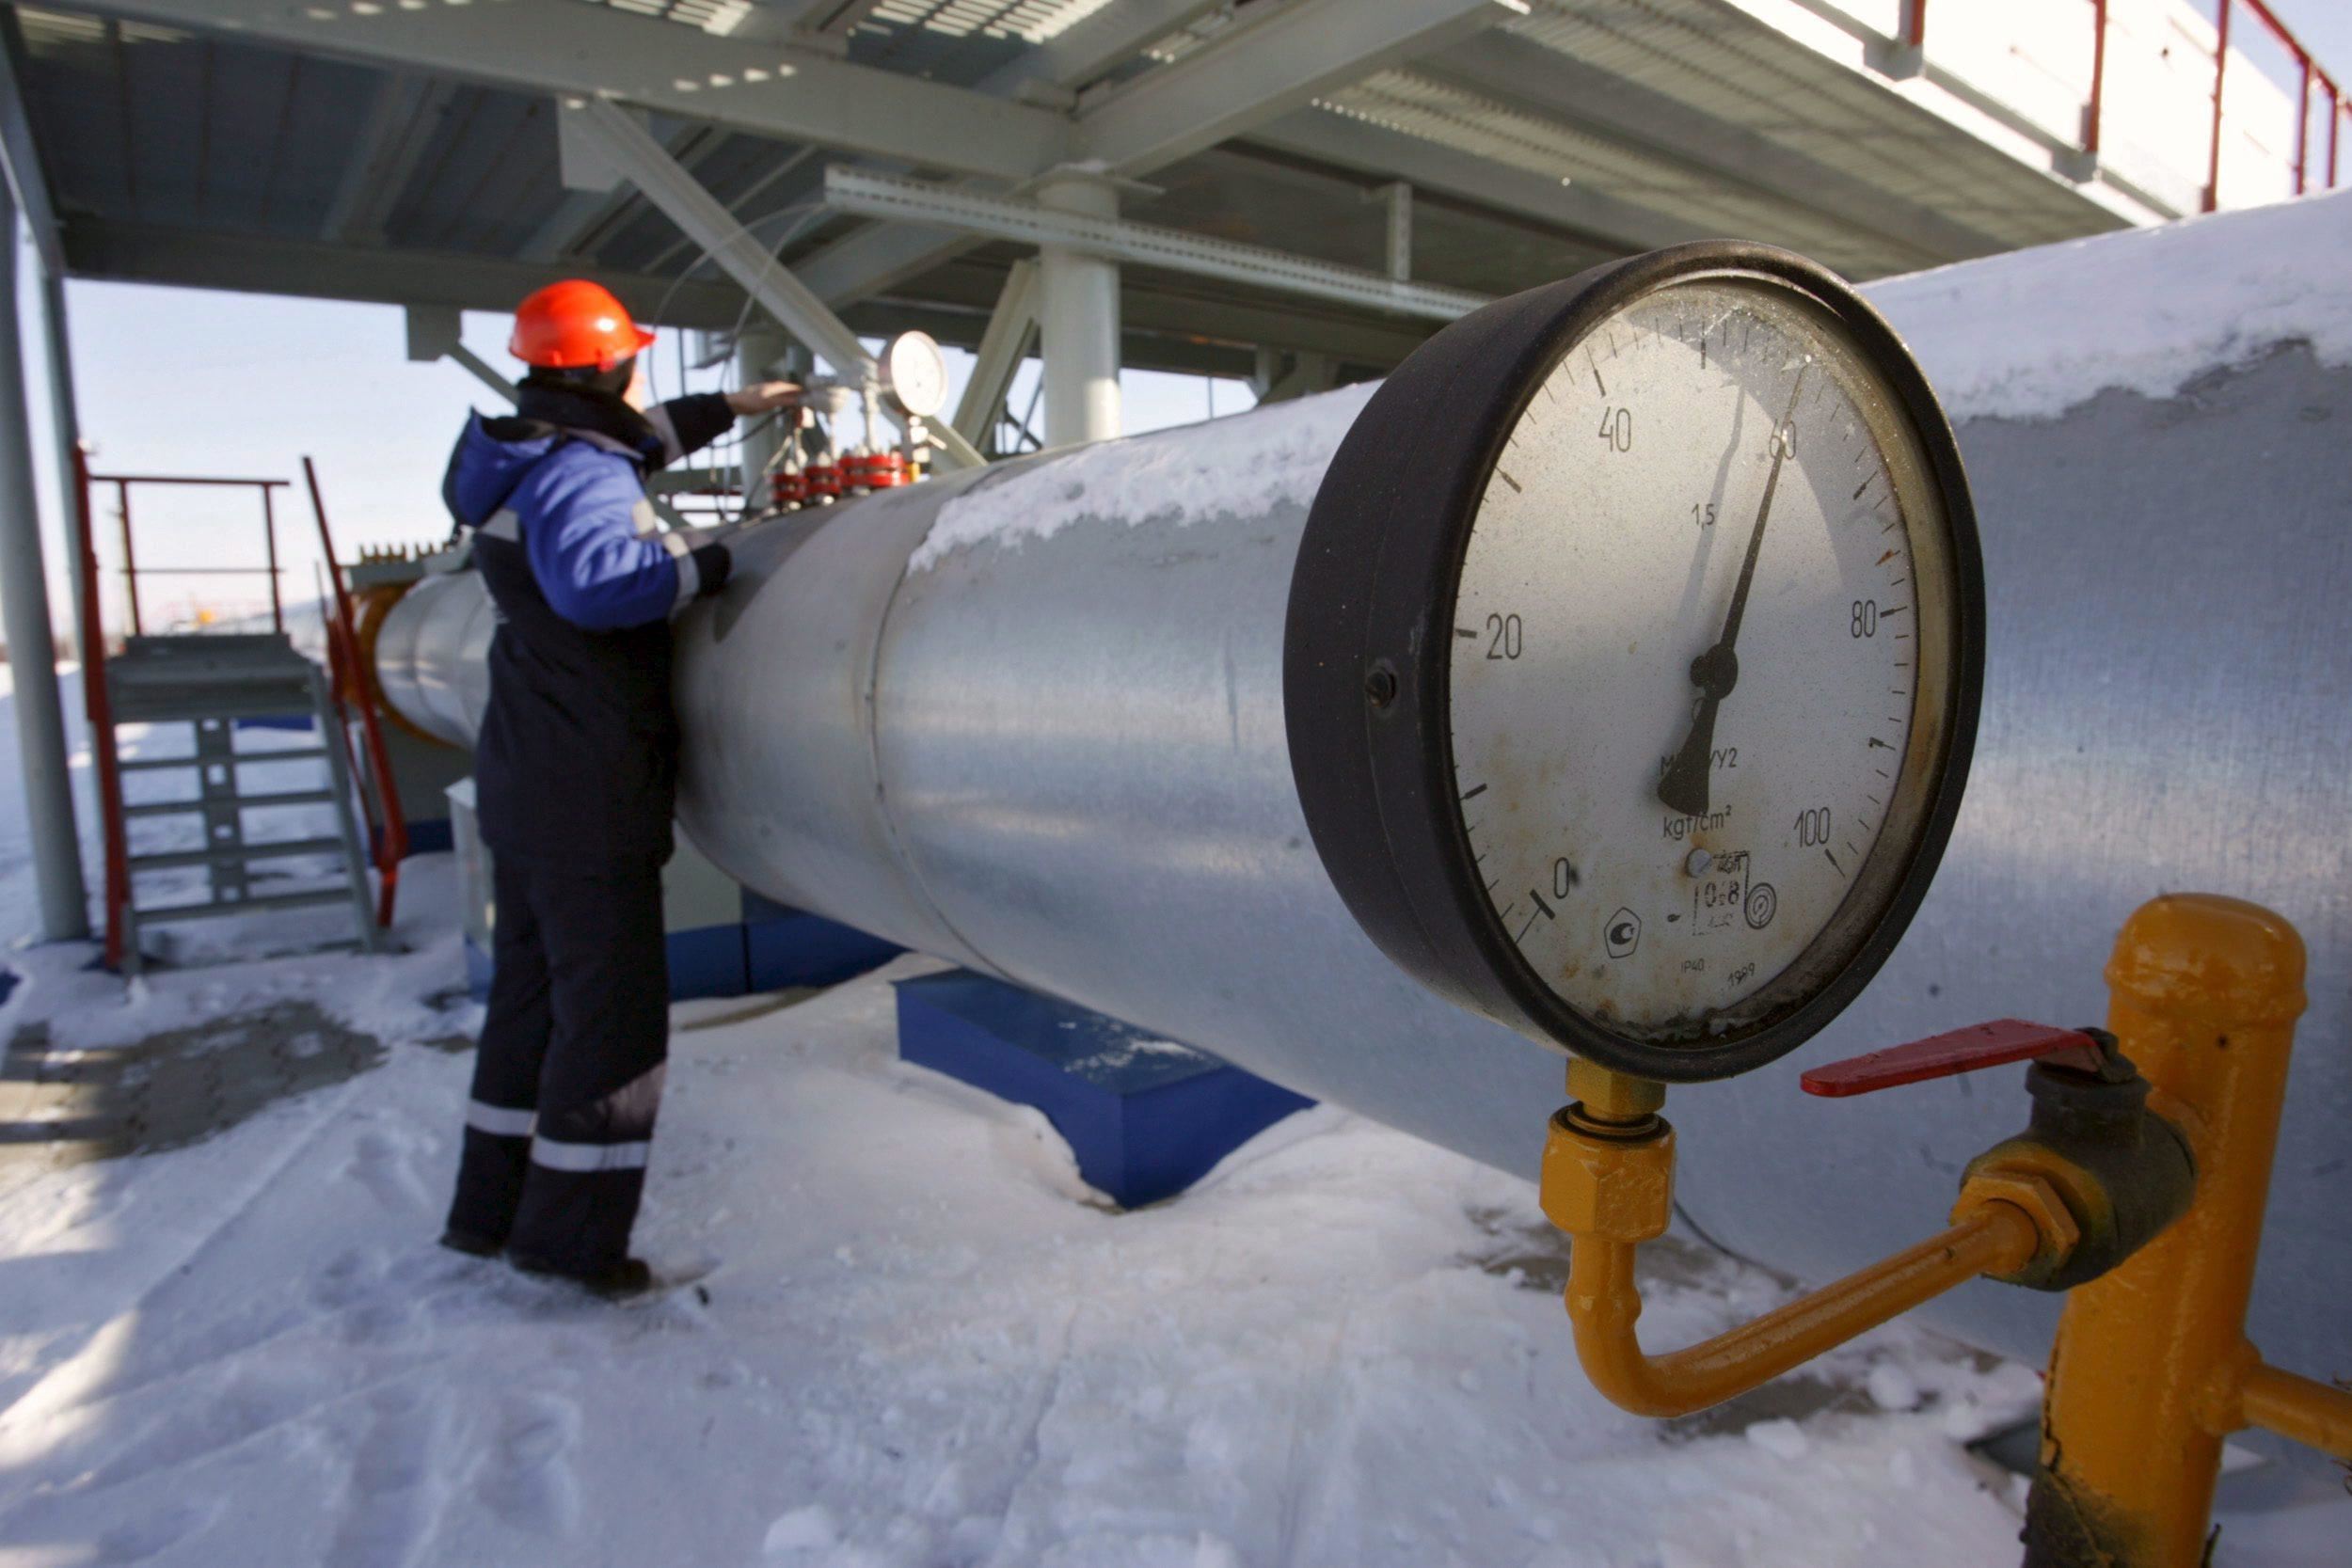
column 1029, row 719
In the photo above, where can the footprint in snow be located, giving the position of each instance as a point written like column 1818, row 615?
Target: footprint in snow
column 384, row 1161
column 348, row 1278
column 396, row 1490
column 527, row 1478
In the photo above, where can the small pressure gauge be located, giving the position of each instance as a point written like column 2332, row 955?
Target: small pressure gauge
column 914, row 374
column 1633, row 658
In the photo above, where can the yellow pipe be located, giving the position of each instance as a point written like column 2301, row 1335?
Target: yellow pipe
column 1603, row 1302
column 2152, row 1368
column 2299, row 1409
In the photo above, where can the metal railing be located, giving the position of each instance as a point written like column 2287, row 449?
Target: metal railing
column 133, row 571
column 97, row 703
column 2309, row 71
column 379, row 792
column 2310, row 76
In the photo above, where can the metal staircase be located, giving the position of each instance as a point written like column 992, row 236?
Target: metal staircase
column 212, row 682
column 218, row 684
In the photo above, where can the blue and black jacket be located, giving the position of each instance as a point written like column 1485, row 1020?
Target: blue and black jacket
column 576, row 766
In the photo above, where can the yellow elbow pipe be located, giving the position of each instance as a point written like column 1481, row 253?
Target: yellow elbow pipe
column 1608, row 1182
column 1604, row 1302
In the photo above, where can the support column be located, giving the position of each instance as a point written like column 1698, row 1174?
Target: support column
column 65, row 420
column 1078, row 321
column 32, row 642
column 761, row 355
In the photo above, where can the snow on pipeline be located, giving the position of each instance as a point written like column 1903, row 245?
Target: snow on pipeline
column 2162, row 307
column 2166, row 304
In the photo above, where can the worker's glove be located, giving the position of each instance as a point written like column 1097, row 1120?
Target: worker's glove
column 713, row 563
column 704, row 562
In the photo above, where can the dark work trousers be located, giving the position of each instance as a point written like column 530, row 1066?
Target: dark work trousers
column 568, row 1076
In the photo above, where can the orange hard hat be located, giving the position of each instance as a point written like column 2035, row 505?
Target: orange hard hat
column 575, row 323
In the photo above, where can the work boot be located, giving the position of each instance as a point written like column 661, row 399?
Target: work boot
column 617, row 1280
column 472, row 1242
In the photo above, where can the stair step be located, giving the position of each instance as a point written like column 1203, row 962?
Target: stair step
column 239, row 758
column 315, row 899
column 285, row 798
column 229, row 853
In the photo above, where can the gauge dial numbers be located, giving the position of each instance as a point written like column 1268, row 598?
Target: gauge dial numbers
column 1690, row 691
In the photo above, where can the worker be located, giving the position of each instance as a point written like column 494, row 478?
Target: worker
column 576, row 769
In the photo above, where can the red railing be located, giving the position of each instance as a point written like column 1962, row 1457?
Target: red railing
column 2309, row 73
column 98, row 706
column 133, row 571
column 343, row 651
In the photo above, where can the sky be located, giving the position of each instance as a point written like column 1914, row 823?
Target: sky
column 181, row 381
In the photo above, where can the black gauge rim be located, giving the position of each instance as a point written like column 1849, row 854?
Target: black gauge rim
column 1367, row 649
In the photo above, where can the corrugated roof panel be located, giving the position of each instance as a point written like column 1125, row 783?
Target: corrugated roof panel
column 487, row 179
column 160, row 126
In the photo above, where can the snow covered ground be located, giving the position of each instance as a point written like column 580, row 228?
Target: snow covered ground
column 921, row 1344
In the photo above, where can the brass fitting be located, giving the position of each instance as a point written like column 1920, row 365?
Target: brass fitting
column 1610, row 1097
column 2027, row 1190
column 1608, row 1185
column 2120, row 1172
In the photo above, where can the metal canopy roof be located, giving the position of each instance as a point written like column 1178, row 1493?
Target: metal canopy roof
column 408, row 152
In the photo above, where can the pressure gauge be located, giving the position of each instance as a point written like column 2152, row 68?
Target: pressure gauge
column 914, row 374
column 1633, row 658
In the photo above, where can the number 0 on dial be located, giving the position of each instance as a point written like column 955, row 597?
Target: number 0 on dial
column 1633, row 658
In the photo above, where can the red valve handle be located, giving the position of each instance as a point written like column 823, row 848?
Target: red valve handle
column 1945, row 1056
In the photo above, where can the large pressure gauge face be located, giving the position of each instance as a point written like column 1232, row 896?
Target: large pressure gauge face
column 1633, row 658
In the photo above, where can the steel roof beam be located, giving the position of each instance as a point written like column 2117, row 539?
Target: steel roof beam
column 1104, row 42
column 208, row 258
column 1011, row 327
column 559, row 46
column 645, row 164
column 1252, row 74
column 1029, row 223
column 881, row 256
column 1343, row 141
column 1559, row 87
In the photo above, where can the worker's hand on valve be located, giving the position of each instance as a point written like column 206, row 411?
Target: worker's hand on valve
column 762, row 396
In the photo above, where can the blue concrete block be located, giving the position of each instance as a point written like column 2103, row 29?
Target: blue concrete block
column 428, row 837
column 1145, row 1117
column 704, row 962
column 787, row 947
column 431, row 836
column 708, row 961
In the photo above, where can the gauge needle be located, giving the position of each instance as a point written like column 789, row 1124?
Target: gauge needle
column 1683, row 785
